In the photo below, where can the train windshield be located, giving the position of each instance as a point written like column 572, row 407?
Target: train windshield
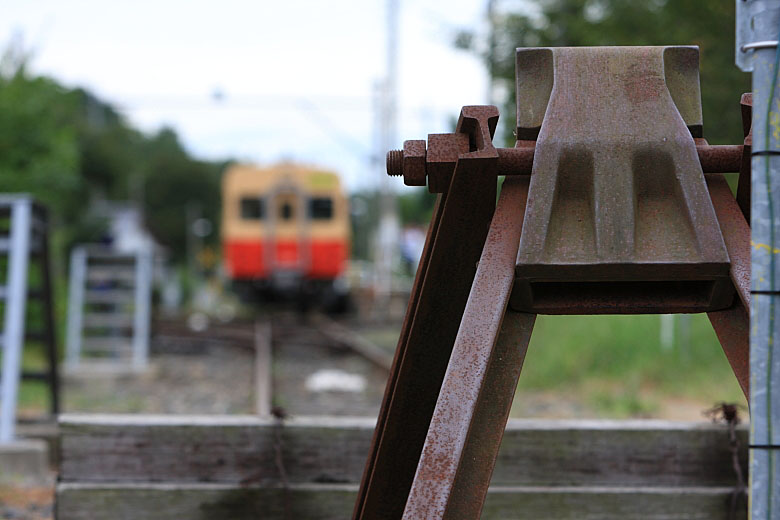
column 252, row 209
column 321, row 208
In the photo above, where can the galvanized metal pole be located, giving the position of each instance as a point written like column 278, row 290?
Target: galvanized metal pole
column 758, row 29
column 15, row 305
column 142, row 307
column 78, row 274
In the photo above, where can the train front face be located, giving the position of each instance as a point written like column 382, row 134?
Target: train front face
column 285, row 232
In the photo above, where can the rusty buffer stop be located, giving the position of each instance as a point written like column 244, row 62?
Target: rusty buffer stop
column 612, row 203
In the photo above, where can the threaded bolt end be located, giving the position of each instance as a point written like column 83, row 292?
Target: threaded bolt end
column 395, row 163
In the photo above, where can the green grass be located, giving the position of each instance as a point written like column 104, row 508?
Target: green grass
column 615, row 366
column 33, row 395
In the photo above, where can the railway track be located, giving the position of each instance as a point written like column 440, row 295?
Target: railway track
column 301, row 365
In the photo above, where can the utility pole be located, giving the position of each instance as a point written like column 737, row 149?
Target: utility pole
column 758, row 28
column 386, row 251
column 492, row 45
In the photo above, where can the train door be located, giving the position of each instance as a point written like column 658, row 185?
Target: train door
column 288, row 234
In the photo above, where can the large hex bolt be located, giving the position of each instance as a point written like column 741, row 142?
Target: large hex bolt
column 409, row 163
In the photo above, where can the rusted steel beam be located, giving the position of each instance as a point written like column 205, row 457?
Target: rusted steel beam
column 425, row 346
column 720, row 158
column 518, row 160
column 460, row 450
column 736, row 234
column 725, row 158
column 396, row 372
column 410, row 163
column 732, row 325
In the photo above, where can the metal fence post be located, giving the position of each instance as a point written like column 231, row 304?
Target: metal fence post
column 141, row 311
column 758, row 29
column 13, row 328
column 78, row 270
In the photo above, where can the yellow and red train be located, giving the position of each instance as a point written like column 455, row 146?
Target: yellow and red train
column 285, row 231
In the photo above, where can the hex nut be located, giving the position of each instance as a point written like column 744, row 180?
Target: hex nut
column 414, row 163
column 442, row 156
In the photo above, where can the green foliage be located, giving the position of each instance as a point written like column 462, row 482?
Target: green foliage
column 176, row 181
column 71, row 150
column 710, row 25
column 614, row 366
column 38, row 146
column 415, row 206
column 110, row 150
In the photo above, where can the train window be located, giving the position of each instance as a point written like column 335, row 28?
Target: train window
column 286, row 211
column 321, row 208
column 252, row 209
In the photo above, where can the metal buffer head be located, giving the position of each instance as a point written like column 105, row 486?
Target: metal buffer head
column 619, row 219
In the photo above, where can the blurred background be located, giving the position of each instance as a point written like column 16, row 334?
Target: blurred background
column 122, row 119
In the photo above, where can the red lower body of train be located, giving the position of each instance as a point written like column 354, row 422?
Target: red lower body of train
column 306, row 271
column 256, row 260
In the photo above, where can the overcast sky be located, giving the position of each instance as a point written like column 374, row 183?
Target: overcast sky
column 296, row 77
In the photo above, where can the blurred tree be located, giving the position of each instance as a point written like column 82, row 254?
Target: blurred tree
column 39, row 151
column 416, row 205
column 71, row 150
column 710, row 25
column 109, row 148
column 174, row 180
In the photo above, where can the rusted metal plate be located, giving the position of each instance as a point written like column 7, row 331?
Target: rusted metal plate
column 619, row 218
column 457, row 461
column 425, row 346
